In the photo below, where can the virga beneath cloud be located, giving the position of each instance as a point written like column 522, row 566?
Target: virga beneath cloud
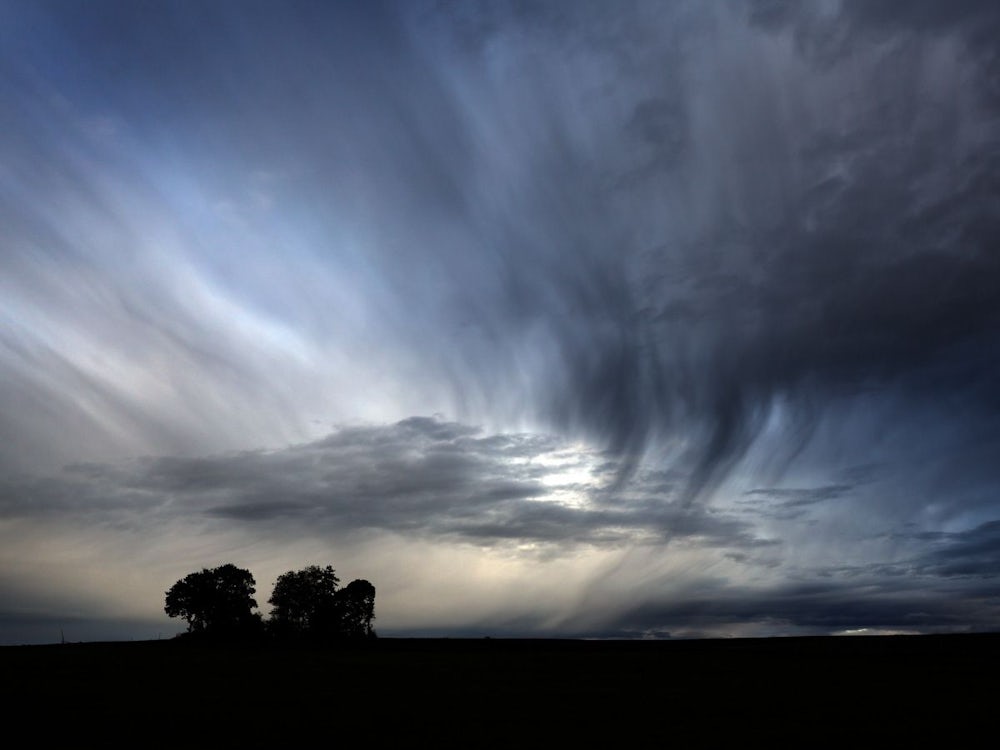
column 693, row 287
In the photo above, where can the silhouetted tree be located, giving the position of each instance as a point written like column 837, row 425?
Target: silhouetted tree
column 304, row 602
column 215, row 601
column 356, row 602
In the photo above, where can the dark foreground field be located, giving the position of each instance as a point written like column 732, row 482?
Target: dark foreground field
column 853, row 692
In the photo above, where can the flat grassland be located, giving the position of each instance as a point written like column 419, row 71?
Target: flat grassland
column 515, row 693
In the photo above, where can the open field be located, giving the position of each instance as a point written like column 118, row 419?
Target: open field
column 515, row 692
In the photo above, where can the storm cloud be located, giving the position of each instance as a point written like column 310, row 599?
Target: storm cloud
column 691, row 287
column 421, row 476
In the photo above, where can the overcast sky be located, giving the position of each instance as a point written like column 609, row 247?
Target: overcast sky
column 581, row 319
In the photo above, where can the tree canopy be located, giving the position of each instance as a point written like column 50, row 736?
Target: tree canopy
column 357, row 608
column 214, row 601
column 305, row 603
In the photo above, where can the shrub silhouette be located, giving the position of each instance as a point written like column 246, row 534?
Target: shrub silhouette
column 216, row 601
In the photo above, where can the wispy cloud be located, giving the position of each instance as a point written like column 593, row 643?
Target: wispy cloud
column 684, row 264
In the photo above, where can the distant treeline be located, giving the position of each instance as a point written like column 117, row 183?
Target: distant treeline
column 307, row 604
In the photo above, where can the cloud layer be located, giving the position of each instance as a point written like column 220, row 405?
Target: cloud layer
column 692, row 288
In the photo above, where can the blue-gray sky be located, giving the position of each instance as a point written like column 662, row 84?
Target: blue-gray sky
column 555, row 318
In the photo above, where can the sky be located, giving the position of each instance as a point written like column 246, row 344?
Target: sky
column 572, row 319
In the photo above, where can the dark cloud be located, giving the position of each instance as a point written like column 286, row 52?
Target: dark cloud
column 815, row 608
column 847, row 245
column 715, row 235
column 972, row 553
column 974, row 17
column 422, row 476
column 683, row 262
column 791, row 498
column 790, row 503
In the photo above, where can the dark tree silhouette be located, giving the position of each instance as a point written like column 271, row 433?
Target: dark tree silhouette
column 215, row 601
column 307, row 604
column 304, row 602
column 357, row 609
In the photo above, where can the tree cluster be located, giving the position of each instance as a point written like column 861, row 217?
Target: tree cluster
column 306, row 604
